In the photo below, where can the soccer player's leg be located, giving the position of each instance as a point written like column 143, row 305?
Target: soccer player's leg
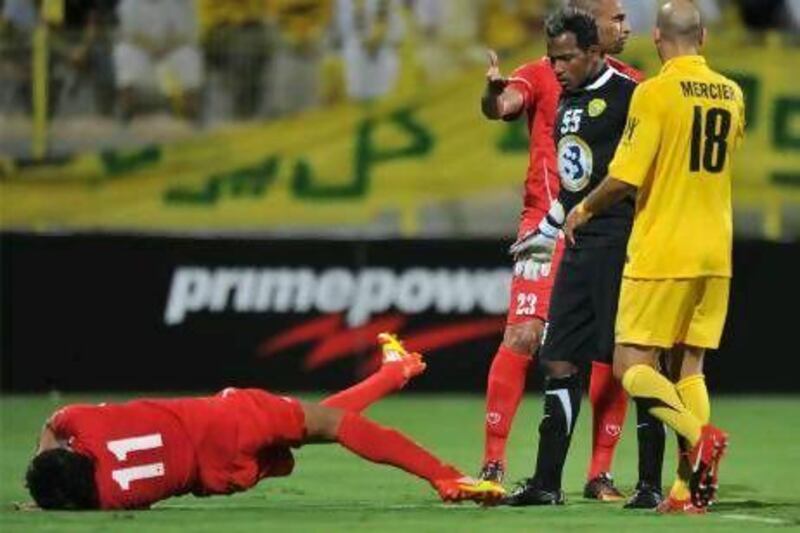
column 609, row 406
column 570, row 332
column 686, row 361
column 608, row 398
column 704, row 332
column 383, row 445
column 657, row 394
column 651, row 438
column 657, row 314
column 525, row 322
column 398, row 366
column 504, row 390
column 690, row 384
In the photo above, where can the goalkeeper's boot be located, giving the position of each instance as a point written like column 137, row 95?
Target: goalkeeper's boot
column 602, row 488
column 394, row 353
column 675, row 506
column 492, row 471
column 705, row 457
column 528, row 493
column 469, row 489
column 646, row 496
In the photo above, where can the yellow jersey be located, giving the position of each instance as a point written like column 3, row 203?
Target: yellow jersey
column 683, row 127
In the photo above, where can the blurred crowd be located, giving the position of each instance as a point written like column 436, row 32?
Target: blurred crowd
column 242, row 59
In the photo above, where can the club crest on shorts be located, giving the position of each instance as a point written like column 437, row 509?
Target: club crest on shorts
column 574, row 163
column 597, row 107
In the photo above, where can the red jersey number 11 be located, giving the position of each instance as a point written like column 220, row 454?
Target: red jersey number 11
column 121, row 448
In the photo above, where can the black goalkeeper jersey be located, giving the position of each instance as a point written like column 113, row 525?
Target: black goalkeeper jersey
column 588, row 128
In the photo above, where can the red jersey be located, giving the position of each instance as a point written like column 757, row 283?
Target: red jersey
column 141, row 452
column 540, row 91
column 635, row 74
column 148, row 450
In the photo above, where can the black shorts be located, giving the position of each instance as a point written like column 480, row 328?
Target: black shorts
column 583, row 306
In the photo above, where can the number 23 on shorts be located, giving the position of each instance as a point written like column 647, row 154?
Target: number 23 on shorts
column 526, row 304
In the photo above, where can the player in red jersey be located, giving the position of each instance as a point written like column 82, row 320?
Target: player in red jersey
column 131, row 455
column 534, row 91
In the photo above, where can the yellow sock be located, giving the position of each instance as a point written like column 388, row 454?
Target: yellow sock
column 694, row 394
column 644, row 383
column 680, row 489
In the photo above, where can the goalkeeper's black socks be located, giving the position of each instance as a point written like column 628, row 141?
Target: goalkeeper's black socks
column 650, row 434
column 562, row 403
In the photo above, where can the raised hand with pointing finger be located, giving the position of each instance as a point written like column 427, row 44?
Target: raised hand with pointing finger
column 498, row 100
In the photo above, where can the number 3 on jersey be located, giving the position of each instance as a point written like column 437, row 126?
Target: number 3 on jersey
column 121, row 448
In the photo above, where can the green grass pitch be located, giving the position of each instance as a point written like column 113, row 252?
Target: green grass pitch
column 334, row 491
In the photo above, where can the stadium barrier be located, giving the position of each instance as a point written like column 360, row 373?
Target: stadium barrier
column 114, row 312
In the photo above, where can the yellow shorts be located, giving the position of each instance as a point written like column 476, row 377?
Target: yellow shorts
column 666, row 312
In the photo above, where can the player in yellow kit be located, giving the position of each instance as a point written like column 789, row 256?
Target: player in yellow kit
column 675, row 156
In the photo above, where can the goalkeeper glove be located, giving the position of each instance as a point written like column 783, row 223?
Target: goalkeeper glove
column 533, row 251
column 540, row 243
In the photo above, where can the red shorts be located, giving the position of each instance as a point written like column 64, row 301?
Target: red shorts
column 242, row 436
column 531, row 299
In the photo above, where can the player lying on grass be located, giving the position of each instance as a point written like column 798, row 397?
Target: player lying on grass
column 134, row 454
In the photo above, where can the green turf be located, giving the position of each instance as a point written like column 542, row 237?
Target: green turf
column 333, row 491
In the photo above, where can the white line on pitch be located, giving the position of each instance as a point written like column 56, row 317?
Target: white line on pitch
column 754, row 518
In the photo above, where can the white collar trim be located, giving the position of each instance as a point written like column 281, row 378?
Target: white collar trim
column 602, row 80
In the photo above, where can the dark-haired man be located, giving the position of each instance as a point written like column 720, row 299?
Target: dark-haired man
column 131, row 455
column 676, row 156
column 590, row 121
column 533, row 90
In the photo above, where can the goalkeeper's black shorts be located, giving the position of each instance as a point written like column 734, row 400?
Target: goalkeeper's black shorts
column 583, row 306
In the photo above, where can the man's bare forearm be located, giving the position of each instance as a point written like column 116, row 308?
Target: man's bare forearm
column 609, row 192
column 498, row 100
column 499, row 104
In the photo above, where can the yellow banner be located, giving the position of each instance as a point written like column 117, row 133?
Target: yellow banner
column 350, row 166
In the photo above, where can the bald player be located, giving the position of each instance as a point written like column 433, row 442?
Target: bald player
column 683, row 128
